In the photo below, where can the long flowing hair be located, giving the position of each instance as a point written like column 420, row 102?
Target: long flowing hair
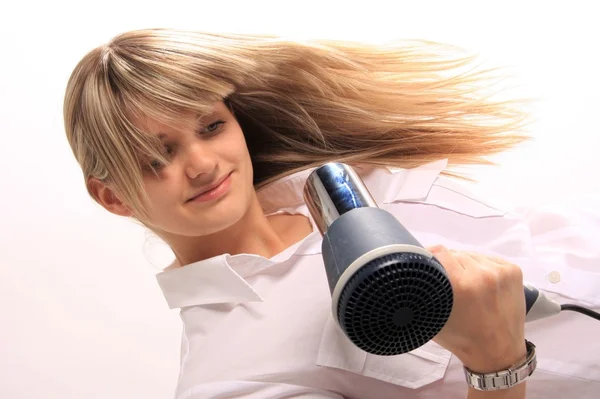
column 299, row 103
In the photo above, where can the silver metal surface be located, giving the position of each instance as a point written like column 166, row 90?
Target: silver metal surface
column 332, row 190
column 507, row 378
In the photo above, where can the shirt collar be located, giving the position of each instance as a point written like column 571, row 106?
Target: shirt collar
column 222, row 279
column 386, row 184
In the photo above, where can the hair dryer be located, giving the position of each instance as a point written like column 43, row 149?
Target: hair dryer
column 389, row 294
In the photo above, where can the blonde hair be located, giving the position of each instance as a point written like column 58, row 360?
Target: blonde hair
column 300, row 104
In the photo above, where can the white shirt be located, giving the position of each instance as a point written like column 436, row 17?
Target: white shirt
column 262, row 328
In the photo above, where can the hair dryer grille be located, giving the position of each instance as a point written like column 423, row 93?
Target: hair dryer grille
column 395, row 304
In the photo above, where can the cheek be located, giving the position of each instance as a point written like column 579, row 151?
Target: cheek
column 235, row 148
column 162, row 192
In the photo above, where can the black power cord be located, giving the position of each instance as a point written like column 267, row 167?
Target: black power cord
column 581, row 309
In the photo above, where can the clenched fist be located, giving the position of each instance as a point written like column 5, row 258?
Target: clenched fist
column 486, row 329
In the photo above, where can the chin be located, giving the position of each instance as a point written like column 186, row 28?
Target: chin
column 219, row 222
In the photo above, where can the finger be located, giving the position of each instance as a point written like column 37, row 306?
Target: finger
column 488, row 260
column 477, row 260
column 491, row 262
column 505, row 267
column 467, row 261
column 506, row 274
column 447, row 259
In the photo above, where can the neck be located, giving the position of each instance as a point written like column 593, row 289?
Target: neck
column 253, row 234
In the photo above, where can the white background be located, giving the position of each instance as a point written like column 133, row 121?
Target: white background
column 81, row 315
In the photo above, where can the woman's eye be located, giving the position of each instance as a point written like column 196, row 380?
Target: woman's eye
column 156, row 165
column 213, row 127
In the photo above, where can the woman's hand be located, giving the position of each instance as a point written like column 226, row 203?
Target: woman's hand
column 486, row 329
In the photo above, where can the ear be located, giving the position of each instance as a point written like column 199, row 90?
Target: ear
column 107, row 197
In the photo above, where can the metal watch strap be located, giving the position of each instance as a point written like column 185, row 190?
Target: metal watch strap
column 506, row 378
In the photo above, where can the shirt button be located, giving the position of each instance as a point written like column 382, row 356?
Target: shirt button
column 554, row 277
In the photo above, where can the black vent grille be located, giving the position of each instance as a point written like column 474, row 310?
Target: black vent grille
column 395, row 304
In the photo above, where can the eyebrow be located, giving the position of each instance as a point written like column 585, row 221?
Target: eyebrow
column 200, row 118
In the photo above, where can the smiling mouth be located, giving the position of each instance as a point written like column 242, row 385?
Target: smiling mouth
column 212, row 191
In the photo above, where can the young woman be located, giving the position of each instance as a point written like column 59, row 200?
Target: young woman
column 208, row 140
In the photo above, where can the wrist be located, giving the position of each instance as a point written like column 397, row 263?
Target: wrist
column 502, row 383
column 489, row 360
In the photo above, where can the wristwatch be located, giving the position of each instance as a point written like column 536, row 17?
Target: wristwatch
column 504, row 379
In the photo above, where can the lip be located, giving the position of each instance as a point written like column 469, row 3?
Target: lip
column 213, row 192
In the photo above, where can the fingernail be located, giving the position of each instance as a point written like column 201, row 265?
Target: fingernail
column 437, row 248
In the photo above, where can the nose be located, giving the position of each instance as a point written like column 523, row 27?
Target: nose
column 199, row 160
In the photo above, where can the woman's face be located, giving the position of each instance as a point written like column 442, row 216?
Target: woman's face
column 207, row 186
